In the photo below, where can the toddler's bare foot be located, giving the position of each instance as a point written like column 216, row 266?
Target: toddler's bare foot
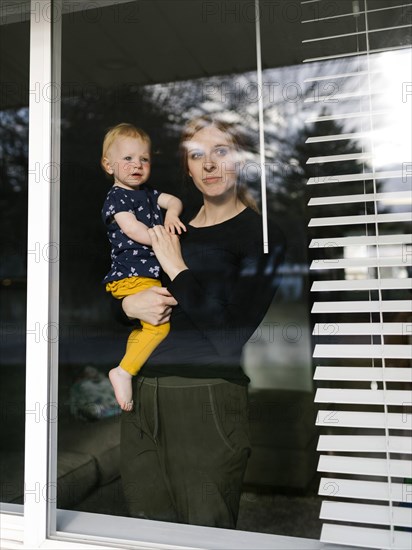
column 122, row 384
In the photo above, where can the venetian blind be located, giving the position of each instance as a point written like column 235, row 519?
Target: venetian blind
column 359, row 101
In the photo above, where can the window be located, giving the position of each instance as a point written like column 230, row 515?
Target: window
column 208, row 79
column 14, row 99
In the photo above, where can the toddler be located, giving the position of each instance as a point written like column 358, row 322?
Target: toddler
column 129, row 210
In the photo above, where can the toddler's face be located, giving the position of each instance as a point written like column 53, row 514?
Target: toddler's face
column 128, row 160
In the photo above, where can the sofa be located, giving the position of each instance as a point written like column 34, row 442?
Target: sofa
column 282, row 430
column 88, row 451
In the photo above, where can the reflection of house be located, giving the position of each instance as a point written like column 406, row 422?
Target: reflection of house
column 293, row 281
column 393, row 260
column 106, row 72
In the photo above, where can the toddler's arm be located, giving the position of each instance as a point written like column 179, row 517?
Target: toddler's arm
column 134, row 229
column 173, row 207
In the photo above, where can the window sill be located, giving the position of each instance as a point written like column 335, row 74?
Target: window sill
column 77, row 530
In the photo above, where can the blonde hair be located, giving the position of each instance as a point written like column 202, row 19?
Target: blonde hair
column 232, row 132
column 123, row 129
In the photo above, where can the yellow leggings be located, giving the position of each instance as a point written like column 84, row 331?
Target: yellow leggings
column 141, row 342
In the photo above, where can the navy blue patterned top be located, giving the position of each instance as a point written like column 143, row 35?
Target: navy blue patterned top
column 130, row 258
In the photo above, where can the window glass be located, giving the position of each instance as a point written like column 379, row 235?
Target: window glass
column 318, row 126
column 158, row 64
column 14, row 99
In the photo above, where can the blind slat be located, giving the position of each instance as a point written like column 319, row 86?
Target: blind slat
column 356, row 220
column 364, row 443
column 343, row 263
column 355, row 54
column 344, row 329
column 338, row 137
column 358, row 351
column 370, row 490
column 362, row 419
column 403, row 197
column 349, row 95
column 362, row 240
column 368, row 374
column 363, row 176
column 339, row 158
column 377, row 514
column 340, row 75
column 359, row 306
column 361, row 284
column 357, row 33
column 365, row 537
column 364, row 466
column 363, row 397
column 349, row 14
column 343, row 116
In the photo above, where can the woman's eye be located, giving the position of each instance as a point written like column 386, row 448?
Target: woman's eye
column 221, row 151
column 128, row 159
column 194, row 155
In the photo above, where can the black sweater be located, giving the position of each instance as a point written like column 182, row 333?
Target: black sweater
column 222, row 298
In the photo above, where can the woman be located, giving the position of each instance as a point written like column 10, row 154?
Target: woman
column 184, row 449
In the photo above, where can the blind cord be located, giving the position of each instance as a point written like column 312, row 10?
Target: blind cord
column 261, row 129
column 385, row 406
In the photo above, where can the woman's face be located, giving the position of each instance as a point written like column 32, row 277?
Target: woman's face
column 213, row 162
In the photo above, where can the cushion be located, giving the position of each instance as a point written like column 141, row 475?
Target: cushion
column 76, row 476
column 100, row 439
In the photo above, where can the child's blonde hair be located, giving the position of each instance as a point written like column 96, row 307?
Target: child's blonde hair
column 123, row 129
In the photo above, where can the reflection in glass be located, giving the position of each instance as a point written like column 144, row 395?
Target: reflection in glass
column 14, row 98
column 159, row 93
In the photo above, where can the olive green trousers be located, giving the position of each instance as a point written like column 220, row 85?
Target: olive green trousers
column 184, row 450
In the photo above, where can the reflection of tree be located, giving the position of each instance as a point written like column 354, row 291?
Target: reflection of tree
column 161, row 110
column 297, row 171
column 292, row 186
column 85, row 251
column 13, row 191
column 291, row 192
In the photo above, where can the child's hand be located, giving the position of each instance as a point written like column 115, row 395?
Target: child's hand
column 173, row 224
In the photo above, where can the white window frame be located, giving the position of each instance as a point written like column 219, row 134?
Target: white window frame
column 38, row 524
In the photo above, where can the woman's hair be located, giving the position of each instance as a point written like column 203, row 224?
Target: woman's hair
column 122, row 130
column 233, row 134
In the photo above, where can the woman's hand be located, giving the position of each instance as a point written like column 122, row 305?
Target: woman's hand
column 153, row 305
column 167, row 249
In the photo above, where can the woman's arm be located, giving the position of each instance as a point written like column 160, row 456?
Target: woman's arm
column 228, row 323
column 153, row 306
column 166, row 246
